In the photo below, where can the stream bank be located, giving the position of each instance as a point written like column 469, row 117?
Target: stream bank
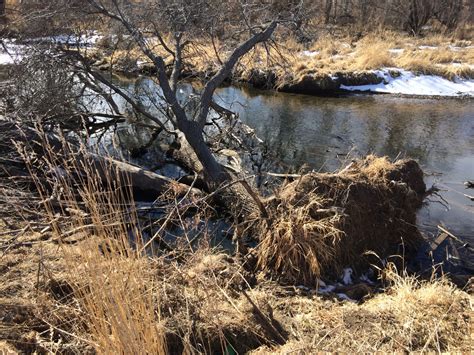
column 393, row 81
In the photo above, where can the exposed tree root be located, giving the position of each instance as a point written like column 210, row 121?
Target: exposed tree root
column 322, row 223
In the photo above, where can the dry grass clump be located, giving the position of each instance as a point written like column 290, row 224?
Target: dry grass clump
column 109, row 281
column 439, row 61
column 321, row 223
column 411, row 315
column 117, row 297
column 372, row 53
column 298, row 245
column 327, row 46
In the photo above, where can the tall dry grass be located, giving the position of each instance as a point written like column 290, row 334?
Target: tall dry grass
column 112, row 283
column 296, row 246
column 372, row 55
column 127, row 298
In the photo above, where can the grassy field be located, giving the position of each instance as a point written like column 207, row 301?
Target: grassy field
column 446, row 56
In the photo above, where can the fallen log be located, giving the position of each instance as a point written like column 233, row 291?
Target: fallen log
column 146, row 184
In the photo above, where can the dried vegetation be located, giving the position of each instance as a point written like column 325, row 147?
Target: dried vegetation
column 75, row 278
column 275, row 65
column 321, row 223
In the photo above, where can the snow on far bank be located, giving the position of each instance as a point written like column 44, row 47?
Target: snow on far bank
column 83, row 40
column 428, row 47
column 309, row 53
column 6, row 59
column 10, row 53
column 407, row 83
column 396, row 50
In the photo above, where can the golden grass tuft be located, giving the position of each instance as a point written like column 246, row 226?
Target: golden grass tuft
column 118, row 299
column 375, row 168
column 296, row 245
column 372, row 55
column 319, row 224
column 410, row 316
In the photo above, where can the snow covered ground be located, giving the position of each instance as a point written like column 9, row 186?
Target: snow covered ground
column 309, row 53
column 10, row 53
column 407, row 83
column 84, row 40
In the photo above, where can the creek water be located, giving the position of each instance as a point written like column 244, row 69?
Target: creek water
column 323, row 133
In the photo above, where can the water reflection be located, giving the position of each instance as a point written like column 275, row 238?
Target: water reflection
column 320, row 131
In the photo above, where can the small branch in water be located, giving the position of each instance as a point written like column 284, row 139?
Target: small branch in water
column 469, row 184
column 433, row 190
column 469, row 197
column 285, row 176
column 464, row 244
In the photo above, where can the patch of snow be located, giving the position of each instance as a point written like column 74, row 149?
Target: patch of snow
column 345, row 297
column 309, row 53
column 428, row 47
column 10, row 53
column 6, row 59
column 347, row 276
column 141, row 63
column 410, row 84
column 327, row 289
column 457, row 48
column 396, row 50
column 85, row 40
column 457, row 64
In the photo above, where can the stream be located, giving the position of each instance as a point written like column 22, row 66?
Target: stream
column 321, row 132
column 324, row 133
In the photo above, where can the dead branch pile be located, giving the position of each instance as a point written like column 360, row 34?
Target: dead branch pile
column 322, row 223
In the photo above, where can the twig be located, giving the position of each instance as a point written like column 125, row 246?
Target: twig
column 469, row 197
column 464, row 244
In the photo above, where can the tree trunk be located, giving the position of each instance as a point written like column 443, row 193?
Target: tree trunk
column 2, row 9
column 328, row 11
column 214, row 173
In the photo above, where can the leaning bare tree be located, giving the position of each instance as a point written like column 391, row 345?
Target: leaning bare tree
column 179, row 19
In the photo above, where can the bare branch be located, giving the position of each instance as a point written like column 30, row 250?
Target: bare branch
column 226, row 69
